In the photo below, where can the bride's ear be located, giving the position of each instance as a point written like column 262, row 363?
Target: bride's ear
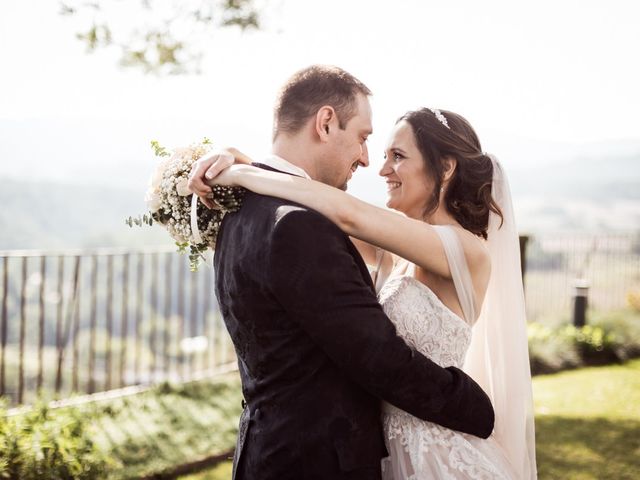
column 449, row 164
column 324, row 121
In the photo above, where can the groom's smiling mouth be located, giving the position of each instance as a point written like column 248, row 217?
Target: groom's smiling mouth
column 352, row 170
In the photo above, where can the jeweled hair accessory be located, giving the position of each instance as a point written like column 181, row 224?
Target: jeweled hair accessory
column 441, row 118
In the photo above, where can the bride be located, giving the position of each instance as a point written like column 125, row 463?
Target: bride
column 447, row 273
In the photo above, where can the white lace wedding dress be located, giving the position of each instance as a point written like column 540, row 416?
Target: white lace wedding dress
column 422, row 450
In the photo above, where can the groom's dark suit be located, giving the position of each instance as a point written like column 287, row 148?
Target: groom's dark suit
column 316, row 352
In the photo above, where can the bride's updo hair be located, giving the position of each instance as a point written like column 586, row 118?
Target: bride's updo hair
column 468, row 197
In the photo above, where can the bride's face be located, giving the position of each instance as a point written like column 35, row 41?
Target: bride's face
column 408, row 184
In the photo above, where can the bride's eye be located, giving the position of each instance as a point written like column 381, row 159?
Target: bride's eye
column 397, row 156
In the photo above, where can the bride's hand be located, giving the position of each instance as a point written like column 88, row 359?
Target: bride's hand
column 209, row 167
column 229, row 176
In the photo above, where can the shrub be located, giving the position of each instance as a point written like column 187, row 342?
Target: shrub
column 549, row 351
column 593, row 344
column 609, row 337
column 623, row 328
column 633, row 299
column 45, row 444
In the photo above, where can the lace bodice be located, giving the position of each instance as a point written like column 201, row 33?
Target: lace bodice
column 424, row 322
column 421, row 450
column 420, row 317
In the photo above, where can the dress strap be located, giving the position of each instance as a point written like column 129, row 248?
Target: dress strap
column 459, row 270
column 377, row 277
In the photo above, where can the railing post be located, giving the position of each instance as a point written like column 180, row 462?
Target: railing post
column 206, row 306
column 181, row 271
column 167, row 315
column 524, row 240
column 76, row 326
column 3, row 327
column 193, row 311
column 23, row 325
column 43, row 277
column 92, row 323
column 124, row 332
column 69, row 329
column 59, row 316
column 139, row 316
column 153, row 318
column 109, row 321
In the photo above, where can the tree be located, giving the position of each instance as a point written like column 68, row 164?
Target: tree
column 161, row 36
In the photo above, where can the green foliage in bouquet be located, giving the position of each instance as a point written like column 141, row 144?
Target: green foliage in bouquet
column 170, row 202
column 39, row 445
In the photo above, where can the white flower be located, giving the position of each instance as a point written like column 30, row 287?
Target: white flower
column 156, row 179
column 182, row 188
column 153, row 200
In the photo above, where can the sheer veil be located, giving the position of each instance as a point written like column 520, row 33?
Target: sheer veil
column 498, row 357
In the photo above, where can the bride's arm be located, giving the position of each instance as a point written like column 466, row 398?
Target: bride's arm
column 210, row 166
column 411, row 239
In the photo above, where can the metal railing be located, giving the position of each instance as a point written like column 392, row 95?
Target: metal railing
column 609, row 264
column 94, row 320
column 86, row 321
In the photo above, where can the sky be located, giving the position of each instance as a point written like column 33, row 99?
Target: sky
column 531, row 77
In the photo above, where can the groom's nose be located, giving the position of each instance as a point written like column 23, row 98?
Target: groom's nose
column 364, row 155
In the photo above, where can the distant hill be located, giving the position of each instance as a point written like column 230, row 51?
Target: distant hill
column 585, row 194
column 604, row 178
column 56, row 215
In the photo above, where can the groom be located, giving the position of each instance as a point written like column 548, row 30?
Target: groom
column 316, row 352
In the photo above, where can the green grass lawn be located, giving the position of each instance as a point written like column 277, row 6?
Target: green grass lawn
column 587, row 425
column 220, row 472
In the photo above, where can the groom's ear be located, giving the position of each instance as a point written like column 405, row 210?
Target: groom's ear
column 325, row 120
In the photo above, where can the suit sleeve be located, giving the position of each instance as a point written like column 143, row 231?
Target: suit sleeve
column 317, row 281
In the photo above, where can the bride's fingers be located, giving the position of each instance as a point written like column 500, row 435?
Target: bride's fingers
column 222, row 162
column 210, row 167
column 239, row 156
column 195, row 182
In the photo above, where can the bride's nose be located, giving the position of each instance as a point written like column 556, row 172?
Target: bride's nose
column 386, row 168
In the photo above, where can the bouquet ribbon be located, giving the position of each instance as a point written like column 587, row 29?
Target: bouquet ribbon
column 194, row 220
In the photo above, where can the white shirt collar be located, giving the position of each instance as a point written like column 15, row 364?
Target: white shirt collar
column 279, row 163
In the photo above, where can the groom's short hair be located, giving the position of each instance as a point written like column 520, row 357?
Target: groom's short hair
column 312, row 88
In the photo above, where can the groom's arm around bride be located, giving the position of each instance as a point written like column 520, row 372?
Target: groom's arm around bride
column 315, row 277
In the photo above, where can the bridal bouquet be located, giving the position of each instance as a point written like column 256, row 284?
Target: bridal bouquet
column 192, row 225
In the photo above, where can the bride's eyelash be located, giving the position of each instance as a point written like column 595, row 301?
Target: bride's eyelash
column 394, row 155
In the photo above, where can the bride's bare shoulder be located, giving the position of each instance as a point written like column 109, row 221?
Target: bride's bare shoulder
column 475, row 251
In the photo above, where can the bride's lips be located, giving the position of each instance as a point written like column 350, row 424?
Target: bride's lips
column 391, row 186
